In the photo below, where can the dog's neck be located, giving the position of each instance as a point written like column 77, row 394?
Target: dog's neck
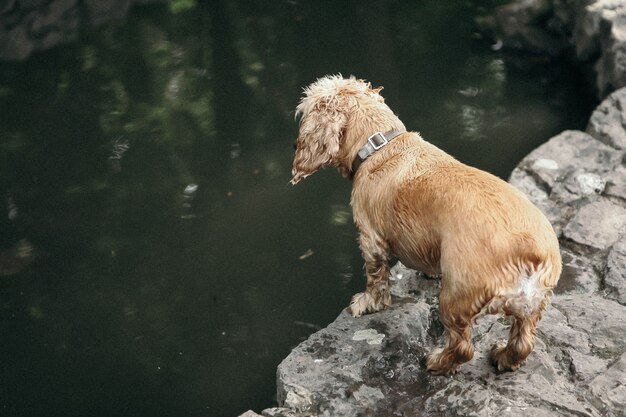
column 374, row 143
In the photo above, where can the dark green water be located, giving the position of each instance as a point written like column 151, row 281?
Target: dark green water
column 154, row 260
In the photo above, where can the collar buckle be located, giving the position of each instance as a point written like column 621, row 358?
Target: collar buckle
column 374, row 143
column 377, row 140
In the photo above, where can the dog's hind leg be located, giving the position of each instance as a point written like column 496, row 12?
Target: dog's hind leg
column 376, row 296
column 458, row 348
column 510, row 356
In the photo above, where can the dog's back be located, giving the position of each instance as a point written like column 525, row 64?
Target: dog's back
column 440, row 215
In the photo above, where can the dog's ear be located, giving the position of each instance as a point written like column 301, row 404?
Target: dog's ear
column 317, row 146
column 375, row 93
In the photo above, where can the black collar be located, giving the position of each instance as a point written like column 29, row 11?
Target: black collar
column 375, row 142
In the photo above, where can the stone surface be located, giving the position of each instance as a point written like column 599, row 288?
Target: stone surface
column 374, row 365
column 602, row 321
column 579, row 273
column 571, row 170
column 335, row 374
column 250, row 413
column 615, row 277
column 616, row 183
column 609, row 388
column 363, row 374
column 279, row 412
column 608, row 121
column 598, row 224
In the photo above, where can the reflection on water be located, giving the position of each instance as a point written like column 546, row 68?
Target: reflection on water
column 341, row 214
column 479, row 108
column 153, row 258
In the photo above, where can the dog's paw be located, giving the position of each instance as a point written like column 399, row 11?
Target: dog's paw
column 501, row 359
column 364, row 302
column 440, row 363
column 361, row 303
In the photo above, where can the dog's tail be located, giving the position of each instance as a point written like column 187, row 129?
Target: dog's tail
column 532, row 289
column 531, row 294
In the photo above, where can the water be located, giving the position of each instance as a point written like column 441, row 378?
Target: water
column 154, row 260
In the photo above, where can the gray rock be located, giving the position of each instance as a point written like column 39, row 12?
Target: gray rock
column 579, row 273
column 615, row 277
column 569, row 171
column 567, row 152
column 608, row 121
column 555, row 329
column 602, row 320
column 250, row 413
column 598, row 224
column 334, row 373
column 610, row 68
column 338, row 369
column 616, row 183
column 577, row 184
column 586, row 33
column 278, row 412
column 608, row 390
column 585, row 366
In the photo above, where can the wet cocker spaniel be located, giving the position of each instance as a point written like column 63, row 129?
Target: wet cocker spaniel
column 494, row 250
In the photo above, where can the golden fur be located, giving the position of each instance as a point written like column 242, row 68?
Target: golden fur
column 495, row 251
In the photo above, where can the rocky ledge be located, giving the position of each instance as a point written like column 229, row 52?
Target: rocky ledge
column 374, row 365
column 592, row 32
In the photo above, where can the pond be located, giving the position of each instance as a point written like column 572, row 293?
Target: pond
column 154, row 259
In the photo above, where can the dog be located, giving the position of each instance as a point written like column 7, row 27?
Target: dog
column 494, row 250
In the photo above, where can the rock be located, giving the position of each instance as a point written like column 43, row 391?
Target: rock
column 337, row 370
column 616, row 183
column 579, row 273
column 609, row 394
column 610, row 68
column 615, row 277
column 602, row 320
column 335, row 374
column 608, row 121
column 566, row 152
column 598, row 224
column 278, row 412
column 570, row 170
column 555, row 329
column 374, row 365
column 585, row 366
column 250, row 413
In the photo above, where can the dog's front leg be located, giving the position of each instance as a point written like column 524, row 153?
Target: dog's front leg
column 376, row 296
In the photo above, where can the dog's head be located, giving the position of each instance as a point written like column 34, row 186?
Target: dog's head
column 337, row 114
